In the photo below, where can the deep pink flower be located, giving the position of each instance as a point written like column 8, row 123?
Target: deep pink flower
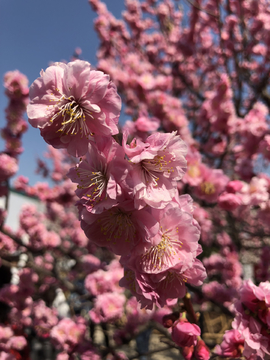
column 185, row 333
column 187, row 352
column 70, row 102
column 232, row 344
column 201, row 351
column 229, row 201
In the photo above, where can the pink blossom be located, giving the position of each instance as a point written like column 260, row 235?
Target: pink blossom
column 219, row 292
column 232, row 344
column 187, row 352
column 6, row 356
column 67, row 334
column 70, row 102
column 62, row 356
column 101, row 281
column 107, row 307
column 194, row 172
column 52, row 239
column 157, row 272
column 185, row 333
column 21, row 183
column 252, row 318
column 5, row 333
column 229, row 201
column 16, row 84
column 201, row 351
column 6, row 243
column 264, row 147
column 157, row 164
column 17, row 342
column 91, row 263
column 158, row 288
column 213, row 183
column 254, row 193
column 119, row 228
column 44, row 318
column 8, row 166
column 100, row 175
column 175, row 244
column 144, row 123
column 234, row 186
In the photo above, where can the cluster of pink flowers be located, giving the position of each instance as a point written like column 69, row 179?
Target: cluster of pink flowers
column 16, row 85
column 250, row 334
column 199, row 75
column 129, row 200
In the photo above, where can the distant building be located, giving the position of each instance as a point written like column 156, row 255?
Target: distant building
column 16, row 201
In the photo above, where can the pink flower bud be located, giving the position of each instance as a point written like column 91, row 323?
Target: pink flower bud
column 185, row 333
column 201, row 351
column 228, row 201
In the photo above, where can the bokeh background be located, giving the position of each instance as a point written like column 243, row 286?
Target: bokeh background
column 34, row 33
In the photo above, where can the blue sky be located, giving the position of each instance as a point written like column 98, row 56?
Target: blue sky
column 32, row 34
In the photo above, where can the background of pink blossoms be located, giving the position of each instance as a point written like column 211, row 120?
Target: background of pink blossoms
column 33, row 34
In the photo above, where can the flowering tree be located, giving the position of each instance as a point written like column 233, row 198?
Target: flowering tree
column 169, row 207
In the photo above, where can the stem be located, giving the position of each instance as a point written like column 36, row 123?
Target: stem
column 189, row 308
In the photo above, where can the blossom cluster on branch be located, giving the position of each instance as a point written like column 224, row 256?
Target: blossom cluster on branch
column 180, row 190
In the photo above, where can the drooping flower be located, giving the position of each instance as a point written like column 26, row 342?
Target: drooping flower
column 176, row 243
column 120, row 228
column 158, row 273
column 70, row 103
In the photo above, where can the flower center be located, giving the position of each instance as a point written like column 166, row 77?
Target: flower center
column 159, row 164
column 148, row 175
column 208, row 188
column 117, row 225
column 193, row 171
column 95, row 181
column 72, row 116
column 162, row 255
column 171, row 277
column 154, row 166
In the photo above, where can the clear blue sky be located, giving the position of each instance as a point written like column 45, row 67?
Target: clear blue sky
column 32, row 34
